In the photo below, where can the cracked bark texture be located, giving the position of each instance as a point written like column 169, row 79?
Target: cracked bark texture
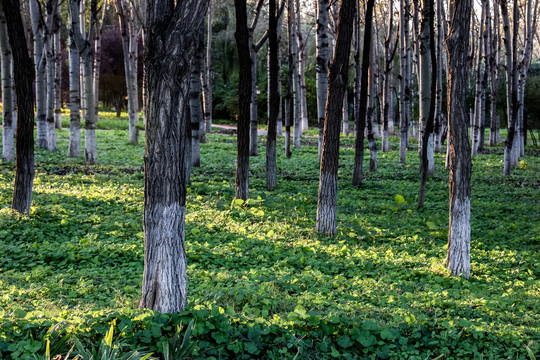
column 322, row 64
column 24, row 76
column 171, row 39
column 8, row 128
column 338, row 74
column 459, row 234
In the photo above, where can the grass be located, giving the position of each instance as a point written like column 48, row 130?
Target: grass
column 262, row 283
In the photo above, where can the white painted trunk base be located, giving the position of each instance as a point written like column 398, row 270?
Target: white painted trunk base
column 459, row 238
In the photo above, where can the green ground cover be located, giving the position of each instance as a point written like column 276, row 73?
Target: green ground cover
column 262, row 283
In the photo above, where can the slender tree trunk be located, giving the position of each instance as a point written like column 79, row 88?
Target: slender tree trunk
column 171, row 39
column 8, row 130
column 253, row 137
column 404, row 103
column 24, row 75
column 301, row 46
column 85, row 50
column 41, row 81
column 48, row 38
column 438, row 120
column 494, row 77
column 273, row 97
column 293, row 50
column 57, row 24
column 289, row 108
column 371, row 109
column 429, row 62
column 459, row 234
column 345, row 114
column 74, row 149
column 207, row 83
column 97, row 58
column 361, row 119
column 195, row 106
column 511, row 87
column 389, row 52
column 322, row 64
column 244, row 99
column 478, row 98
column 327, row 200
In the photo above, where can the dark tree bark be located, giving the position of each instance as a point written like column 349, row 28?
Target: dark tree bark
column 459, row 233
column 170, row 44
column 427, row 20
column 244, row 101
column 24, row 77
column 361, row 115
column 338, row 74
column 271, row 166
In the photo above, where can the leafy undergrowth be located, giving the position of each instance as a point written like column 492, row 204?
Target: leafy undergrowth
column 262, row 283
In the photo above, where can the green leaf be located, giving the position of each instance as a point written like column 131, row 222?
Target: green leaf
column 400, row 199
column 345, row 341
column 300, row 310
column 251, row 347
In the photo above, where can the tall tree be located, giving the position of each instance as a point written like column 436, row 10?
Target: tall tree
column 57, row 36
column 511, row 148
column 428, row 68
column 390, row 46
column 48, row 39
column 207, row 73
column 24, row 76
column 244, row 99
column 253, row 50
column 322, row 64
column 195, row 106
column 129, row 30
column 171, row 39
column 480, row 86
column 361, row 114
column 293, row 65
column 97, row 56
column 338, row 74
column 404, row 84
column 439, row 118
column 85, row 46
column 38, row 25
column 459, row 234
column 371, row 115
column 8, row 128
column 74, row 148
column 494, row 59
column 273, row 97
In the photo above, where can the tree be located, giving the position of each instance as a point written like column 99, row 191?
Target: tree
column 404, row 84
column 48, row 37
column 494, row 59
column 74, row 148
column 40, row 81
column 171, row 39
column 293, row 66
column 390, row 46
column 84, row 45
column 207, row 73
column 322, row 64
column 195, row 106
column 273, row 96
column 8, row 128
column 244, row 99
column 128, row 27
column 361, row 114
column 24, row 77
column 338, row 74
column 459, row 234
column 428, row 68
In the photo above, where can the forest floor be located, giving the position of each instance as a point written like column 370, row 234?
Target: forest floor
column 262, row 282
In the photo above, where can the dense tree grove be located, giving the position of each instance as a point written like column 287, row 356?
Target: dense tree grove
column 421, row 75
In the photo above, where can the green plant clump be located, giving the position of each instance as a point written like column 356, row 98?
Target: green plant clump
column 262, row 283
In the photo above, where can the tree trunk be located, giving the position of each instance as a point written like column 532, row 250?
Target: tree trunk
column 301, row 46
column 427, row 71
column 253, row 49
column 437, row 125
column 479, row 96
column 372, row 104
column 510, row 44
column 195, row 106
column 41, row 81
column 273, row 97
column 361, row 118
column 85, row 50
column 244, row 99
column 8, row 128
column 404, row 85
column 74, row 149
column 97, row 58
column 339, row 69
column 126, row 16
column 207, row 78
column 289, row 108
column 389, row 52
column 345, row 114
column 24, row 75
column 494, row 76
column 296, row 93
column 57, row 24
column 322, row 64
column 50, row 71
column 171, row 39
column 459, row 234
